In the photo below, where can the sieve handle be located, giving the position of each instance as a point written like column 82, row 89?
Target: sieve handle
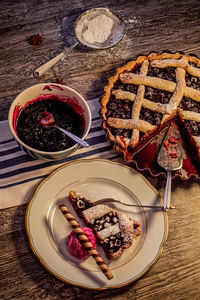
column 42, row 69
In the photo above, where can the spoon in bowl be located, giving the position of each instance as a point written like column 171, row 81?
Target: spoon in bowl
column 47, row 120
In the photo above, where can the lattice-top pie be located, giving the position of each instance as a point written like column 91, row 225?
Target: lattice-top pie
column 146, row 94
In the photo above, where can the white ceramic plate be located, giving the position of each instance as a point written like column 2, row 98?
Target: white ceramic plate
column 94, row 179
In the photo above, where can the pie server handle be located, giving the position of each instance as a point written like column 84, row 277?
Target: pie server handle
column 167, row 196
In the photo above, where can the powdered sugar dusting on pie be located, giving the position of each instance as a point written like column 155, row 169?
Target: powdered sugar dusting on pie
column 126, row 227
column 95, row 212
column 107, row 232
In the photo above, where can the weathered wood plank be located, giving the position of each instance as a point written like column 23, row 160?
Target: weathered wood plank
column 150, row 26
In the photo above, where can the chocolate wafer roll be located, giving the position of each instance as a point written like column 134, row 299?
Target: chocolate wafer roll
column 85, row 242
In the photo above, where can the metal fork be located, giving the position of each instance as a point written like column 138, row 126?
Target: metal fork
column 108, row 200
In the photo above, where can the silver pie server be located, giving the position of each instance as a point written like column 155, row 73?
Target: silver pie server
column 170, row 157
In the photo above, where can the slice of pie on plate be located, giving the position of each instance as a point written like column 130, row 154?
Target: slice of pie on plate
column 148, row 93
column 114, row 230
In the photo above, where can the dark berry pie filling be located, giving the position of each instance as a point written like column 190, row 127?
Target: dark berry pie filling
column 49, row 139
column 113, row 243
column 193, row 127
column 192, row 81
column 152, row 117
column 156, row 95
column 164, row 73
column 80, row 204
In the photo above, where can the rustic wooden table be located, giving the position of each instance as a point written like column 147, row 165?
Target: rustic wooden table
column 150, row 26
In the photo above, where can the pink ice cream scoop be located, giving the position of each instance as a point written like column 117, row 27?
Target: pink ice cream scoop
column 75, row 246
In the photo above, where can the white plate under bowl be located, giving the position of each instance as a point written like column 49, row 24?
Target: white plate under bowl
column 95, row 179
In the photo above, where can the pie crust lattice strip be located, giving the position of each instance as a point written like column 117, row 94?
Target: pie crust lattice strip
column 146, row 94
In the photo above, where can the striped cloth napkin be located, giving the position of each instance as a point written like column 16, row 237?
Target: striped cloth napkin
column 20, row 174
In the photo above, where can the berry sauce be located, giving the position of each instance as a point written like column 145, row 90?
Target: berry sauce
column 67, row 115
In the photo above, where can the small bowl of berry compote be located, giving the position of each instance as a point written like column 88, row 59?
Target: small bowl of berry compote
column 69, row 109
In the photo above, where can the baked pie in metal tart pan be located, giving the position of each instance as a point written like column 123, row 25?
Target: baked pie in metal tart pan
column 143, row 98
